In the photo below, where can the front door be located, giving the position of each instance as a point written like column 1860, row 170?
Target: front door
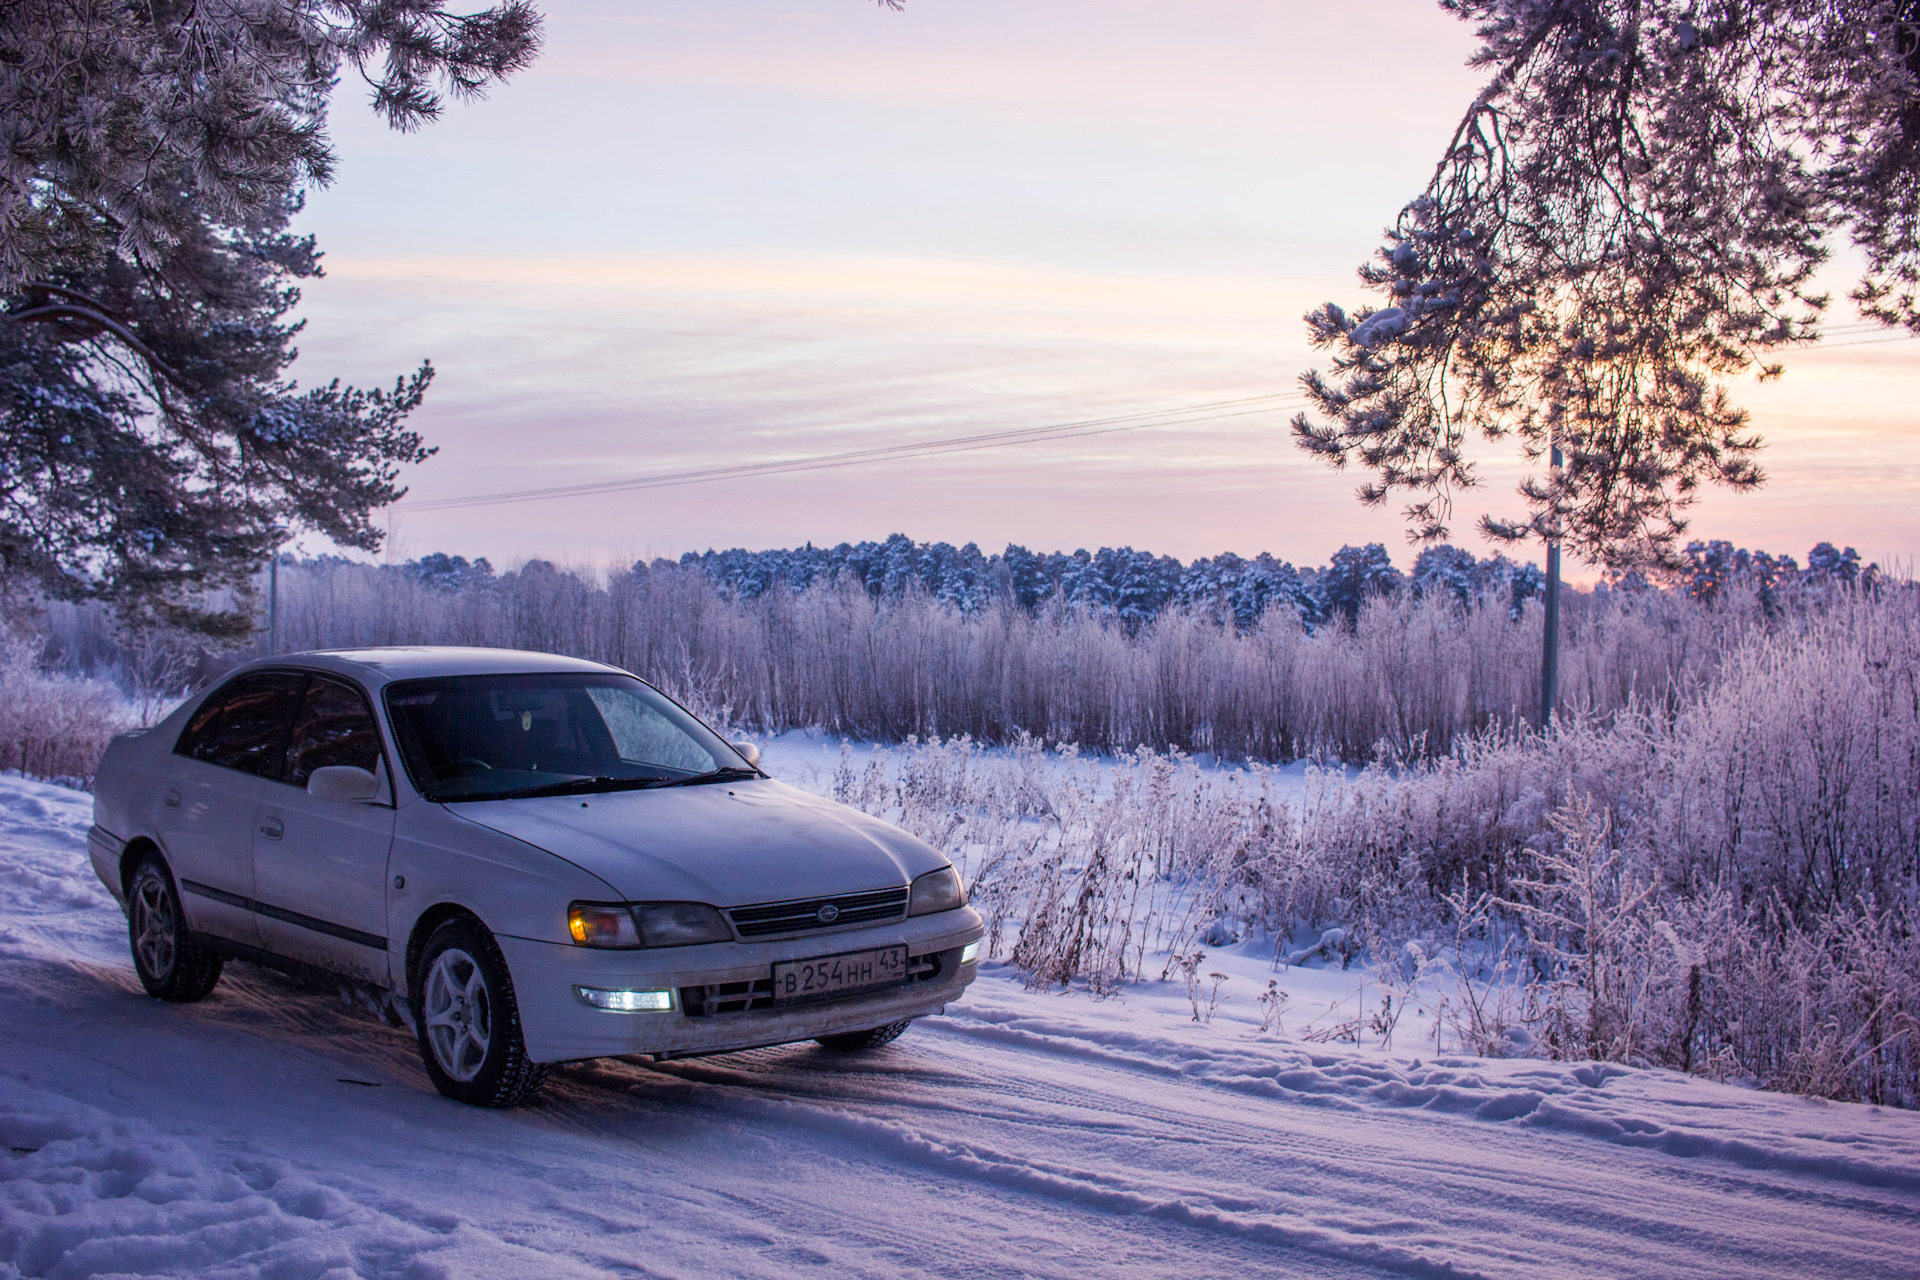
column 320, row 866
column 211, row 791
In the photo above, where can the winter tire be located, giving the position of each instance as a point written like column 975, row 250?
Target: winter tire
column 853, row 1041
column 468, row 1021
column 170, row 966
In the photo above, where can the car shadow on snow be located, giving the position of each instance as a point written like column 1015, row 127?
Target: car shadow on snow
column 103, row 1005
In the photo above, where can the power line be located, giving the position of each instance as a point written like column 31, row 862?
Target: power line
column 1246, row 407
column 1866, row 342
column 888, row 453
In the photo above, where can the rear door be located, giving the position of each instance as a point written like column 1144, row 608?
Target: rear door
column 320, row 866
column 211, row 789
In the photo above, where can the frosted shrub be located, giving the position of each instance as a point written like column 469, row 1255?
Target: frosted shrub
column 54, row 726
column 1083, row 868
column 1723, row 883
column 1727, row 885
column 1831, row 1007
column 1589, row 918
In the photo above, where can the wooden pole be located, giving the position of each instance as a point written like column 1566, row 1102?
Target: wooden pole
column 1550, row 644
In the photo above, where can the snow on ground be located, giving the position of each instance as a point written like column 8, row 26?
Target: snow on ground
column 277, row 1132
column 807, row 758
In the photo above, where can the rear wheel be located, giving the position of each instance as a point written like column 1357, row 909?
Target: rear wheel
column 468, row 1021
column 170, row 966
column 853, row 1041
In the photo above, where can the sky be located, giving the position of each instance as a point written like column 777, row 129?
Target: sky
column 703, row 234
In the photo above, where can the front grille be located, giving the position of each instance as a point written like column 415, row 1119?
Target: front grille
column 798, row 917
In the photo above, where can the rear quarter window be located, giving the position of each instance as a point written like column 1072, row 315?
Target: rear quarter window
column 244, row 725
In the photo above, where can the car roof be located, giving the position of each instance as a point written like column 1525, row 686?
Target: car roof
column 412, row 662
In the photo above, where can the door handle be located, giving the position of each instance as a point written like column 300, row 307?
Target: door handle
column 272, row 828
column 171, row 799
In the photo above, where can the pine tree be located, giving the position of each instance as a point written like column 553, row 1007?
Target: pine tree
column 1825, row 564
column 1027, row 576
column 448, row 573
column 1354, row 575
column 1083, row 585
column 897, row 567
column 159, row 452
column 1631, row 213
column 151, row 157
column 1444, row 570
column 127, row 124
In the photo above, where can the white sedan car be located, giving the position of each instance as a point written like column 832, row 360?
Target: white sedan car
column 543, row 859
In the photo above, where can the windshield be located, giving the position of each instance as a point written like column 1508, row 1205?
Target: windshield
column 495, row 737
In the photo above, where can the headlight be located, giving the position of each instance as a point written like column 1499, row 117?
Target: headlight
column 937, row 891
column 602, row 924
column 679, row 924
column 626, row 925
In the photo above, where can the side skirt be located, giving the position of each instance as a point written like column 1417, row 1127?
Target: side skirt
column 389, row 1008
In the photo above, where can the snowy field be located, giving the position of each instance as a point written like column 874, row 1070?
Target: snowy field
column 277, row 1132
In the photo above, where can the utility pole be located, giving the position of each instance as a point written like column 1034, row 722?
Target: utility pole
column 273, row 603
column 1550, row 646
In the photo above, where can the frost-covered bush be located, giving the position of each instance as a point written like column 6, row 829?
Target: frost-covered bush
column 1726, row 883
column 1083, row 867
column 55, row 726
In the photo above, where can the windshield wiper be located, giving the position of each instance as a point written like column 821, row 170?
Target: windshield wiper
column 574, row 786
column 603, row 783
column 725, row 773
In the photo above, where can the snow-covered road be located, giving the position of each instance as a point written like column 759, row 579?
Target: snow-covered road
column 275, row 1132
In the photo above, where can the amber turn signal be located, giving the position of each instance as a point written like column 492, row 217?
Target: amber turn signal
column 602, row 924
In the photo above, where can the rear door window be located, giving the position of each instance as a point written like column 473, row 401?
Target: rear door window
column 244, row 725
column 334, row 727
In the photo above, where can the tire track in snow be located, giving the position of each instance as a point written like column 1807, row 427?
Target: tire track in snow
column 1561, row 1181
column 1636, row 1220
column 1106, row 1192
column 1307, row 1080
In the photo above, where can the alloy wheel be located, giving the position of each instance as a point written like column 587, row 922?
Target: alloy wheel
column 155, row 924
column 459, row 1013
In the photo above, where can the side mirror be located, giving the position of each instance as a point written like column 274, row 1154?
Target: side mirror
column 749, row 752
column 345, row 782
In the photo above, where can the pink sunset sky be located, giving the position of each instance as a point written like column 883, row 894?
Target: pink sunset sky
column 705, row 233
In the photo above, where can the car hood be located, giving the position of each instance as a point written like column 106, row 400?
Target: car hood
column 728, row 844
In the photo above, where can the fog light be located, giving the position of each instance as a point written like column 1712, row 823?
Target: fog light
column 970, row 952
column 626, row 1001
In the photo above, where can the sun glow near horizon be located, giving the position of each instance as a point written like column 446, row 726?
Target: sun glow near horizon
column 688, row 238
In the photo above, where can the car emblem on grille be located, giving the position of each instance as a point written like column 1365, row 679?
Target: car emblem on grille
column 828, row 913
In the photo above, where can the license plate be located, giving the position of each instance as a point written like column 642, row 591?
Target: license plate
column 831, row 975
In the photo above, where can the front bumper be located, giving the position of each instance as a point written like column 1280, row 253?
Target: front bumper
column 720, row 978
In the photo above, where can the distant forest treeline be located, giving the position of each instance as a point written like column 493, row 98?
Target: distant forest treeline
column 1112, row 650
column 1136, row 587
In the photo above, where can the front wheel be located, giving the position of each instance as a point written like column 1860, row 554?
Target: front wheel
column 170, row 966
column 853, row 1041
column 468, row 1021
